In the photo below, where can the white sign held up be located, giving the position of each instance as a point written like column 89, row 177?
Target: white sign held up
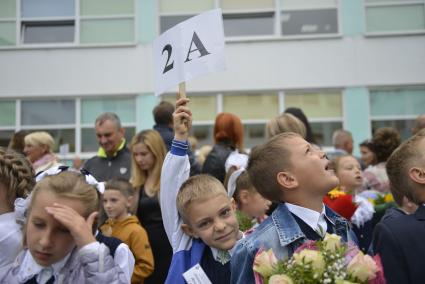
column 190, row 49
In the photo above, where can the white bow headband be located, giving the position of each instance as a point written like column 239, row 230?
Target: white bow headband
column 231, row 184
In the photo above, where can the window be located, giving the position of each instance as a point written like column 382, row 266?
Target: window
column 7, row 22
column 248, row 17
column 392, row 16
column 396, row 108
column 253, row 106
column 107, row 21
column 173, row 12
column 266, row 18
column 324, row 112
column 47, row 21
column 7, row 110
column 7, row 121
column 67, row 22
column 309, row 17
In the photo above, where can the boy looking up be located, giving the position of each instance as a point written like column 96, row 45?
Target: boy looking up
column 117, row 200
column 288, row 170
column 400, row 240
column 201, row 225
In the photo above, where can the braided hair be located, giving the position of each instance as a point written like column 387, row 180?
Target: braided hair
column 16, row 175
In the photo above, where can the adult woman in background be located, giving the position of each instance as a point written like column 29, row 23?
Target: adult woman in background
column 148, row 153
column 39, row 151
column 228, row 137
column 385, row 140
column 368, row 157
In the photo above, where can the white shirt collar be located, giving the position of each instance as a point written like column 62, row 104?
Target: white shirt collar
column 30, row 267
column 6, row 217
column 312, row 218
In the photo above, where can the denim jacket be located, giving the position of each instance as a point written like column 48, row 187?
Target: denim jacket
column 281, row 233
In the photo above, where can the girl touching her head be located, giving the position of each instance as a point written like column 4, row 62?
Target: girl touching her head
column 58, row 236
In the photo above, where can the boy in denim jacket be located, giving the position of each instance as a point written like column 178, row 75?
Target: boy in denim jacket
column 288, row 170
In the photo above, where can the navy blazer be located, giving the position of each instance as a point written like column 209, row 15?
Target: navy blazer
column 401, row 244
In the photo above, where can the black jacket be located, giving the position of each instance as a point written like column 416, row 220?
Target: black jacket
column 104, row 169
column 215, row 162
column 400, row 243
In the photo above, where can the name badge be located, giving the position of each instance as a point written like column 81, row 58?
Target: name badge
column 196, row 275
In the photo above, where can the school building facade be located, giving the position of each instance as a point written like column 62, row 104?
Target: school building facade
column 352, row 64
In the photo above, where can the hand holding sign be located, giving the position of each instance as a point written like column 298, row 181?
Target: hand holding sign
column 188, row 50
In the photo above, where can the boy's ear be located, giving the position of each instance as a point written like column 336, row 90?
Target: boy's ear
column 233, row 203
column 130, row 202
column 417, row 174
column 287, row 180
column 243, row 195
column 188, row 230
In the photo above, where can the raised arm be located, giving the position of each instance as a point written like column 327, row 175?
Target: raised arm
column 175, row 171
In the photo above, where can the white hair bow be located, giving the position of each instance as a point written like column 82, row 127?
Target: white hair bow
column 231, row 184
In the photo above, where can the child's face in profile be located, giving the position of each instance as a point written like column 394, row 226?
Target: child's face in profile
column 349, row 173
column 214, row 221
column 310, row 167
column 47, row 239
column 116, row 204
column 254, row 204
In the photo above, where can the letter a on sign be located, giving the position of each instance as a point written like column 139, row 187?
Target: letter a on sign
column 199, row 47
column 190, row 49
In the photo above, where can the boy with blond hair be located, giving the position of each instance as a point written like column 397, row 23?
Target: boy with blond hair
column 400, row 240
column 198, row 216
column 117, row 200
column 288, row 170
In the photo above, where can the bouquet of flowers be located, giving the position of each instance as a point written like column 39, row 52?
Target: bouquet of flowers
column 327, row 261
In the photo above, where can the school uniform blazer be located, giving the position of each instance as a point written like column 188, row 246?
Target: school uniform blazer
column 401, row 244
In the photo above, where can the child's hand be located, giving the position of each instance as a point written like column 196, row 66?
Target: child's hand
column 182, row 118
column 80, row 229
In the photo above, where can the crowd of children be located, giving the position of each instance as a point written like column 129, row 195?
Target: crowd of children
column 166, row 226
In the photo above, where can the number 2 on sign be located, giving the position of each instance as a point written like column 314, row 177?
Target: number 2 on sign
column 168, row 48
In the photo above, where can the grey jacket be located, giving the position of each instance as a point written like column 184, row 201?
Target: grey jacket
column 105, row 168
column 83, row 266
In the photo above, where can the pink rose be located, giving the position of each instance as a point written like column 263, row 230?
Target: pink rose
column 362, row 267
column 265, row 262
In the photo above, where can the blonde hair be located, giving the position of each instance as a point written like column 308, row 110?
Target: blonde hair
column 120, row 184
column 335, row 162
column 285, row 122
column 243, row 182
column 203, row 153
column 266, row 161
column 69, row 185
column 407, row 155
column 196, row 188
column 153, row 141
column 40, row 138
column 16, row 174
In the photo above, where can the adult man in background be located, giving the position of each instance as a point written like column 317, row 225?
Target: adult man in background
column 113, row 159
